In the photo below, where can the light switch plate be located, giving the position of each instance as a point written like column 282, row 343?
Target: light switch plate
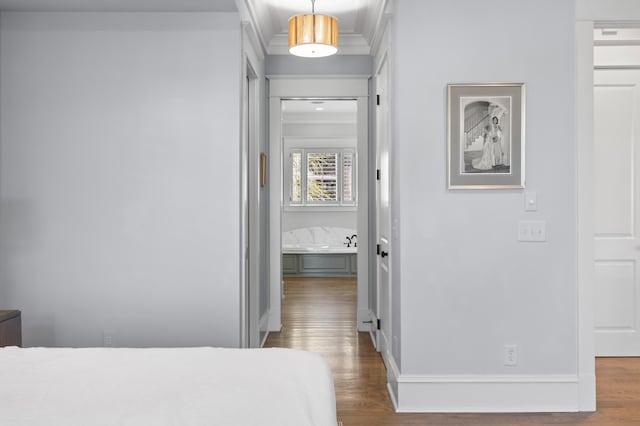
column 532, row 230
column 530, row 201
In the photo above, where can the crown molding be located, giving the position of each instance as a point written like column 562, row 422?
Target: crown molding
column 348, row 44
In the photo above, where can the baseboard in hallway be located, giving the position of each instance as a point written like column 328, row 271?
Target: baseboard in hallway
column 319, row 315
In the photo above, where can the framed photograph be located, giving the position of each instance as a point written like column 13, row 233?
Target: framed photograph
column 485, row 135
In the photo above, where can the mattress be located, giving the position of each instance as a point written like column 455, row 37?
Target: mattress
column 167, row 386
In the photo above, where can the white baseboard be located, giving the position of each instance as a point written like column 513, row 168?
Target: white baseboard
column 263, row 325
column 393, row 372
column 275, row 320
column 488, row 394
column 363, row 315
column 483, row 394
column 587, row 392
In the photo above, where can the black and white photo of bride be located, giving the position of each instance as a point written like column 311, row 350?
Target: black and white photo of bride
column 485, row 135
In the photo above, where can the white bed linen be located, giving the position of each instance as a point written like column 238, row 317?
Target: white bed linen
column 172, row 386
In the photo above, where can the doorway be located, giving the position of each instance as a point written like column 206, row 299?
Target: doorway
column 345, row 199
column 590, row 15
column 617, row 190
column 320, row 164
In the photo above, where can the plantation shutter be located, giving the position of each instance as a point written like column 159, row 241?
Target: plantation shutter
column 322, row 177
column 348, row 193
column 296, row 177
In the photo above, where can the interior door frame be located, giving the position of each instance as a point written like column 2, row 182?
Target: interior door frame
column 250, row 244
column 283, row 88
column 375, row 308
column 589, row 15
column 381, row 56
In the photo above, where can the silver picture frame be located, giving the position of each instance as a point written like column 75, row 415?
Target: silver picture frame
column 486, row 135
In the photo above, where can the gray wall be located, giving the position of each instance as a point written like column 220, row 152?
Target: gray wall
column 467, row 285
column 331, row 65
column 120, row 161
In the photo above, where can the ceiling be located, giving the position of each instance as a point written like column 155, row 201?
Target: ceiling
column 358, row 19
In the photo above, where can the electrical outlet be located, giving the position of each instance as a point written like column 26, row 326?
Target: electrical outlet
column 511, row 355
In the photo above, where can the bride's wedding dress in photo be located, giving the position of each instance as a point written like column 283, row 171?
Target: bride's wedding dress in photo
column 488, row 158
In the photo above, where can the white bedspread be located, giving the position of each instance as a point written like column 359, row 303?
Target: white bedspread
column 177, row 386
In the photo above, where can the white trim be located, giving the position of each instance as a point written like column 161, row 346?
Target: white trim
column 244, row 200
column 313, row 76
column 480, row 394
column 338, row 87
column 346, row 87
column 386, row 347
column 364, row 314
column 487, row 394
column 382, row 18
column 275, row 321
column 319, row 208
column 611, row 12
column 349, row 44
column 372, row 328
column 590, row 14
column 420, row 378
column 381, row 52
column 275, row 214
column 252, row 87
column 585, row 226
column 363, row 190
column 331, row 146
column 264, row 326
column 393, row 372
column 248, row 14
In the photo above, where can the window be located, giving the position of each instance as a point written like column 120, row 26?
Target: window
column 322, row 177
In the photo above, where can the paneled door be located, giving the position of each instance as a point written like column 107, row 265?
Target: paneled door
column 617, row 211
column 383, row 214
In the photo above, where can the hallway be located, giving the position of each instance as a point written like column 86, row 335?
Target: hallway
column 318, row 315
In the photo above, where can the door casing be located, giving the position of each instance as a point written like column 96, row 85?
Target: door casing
column 356, row 88
column 588, row 15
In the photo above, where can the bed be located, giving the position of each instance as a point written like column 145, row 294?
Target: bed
column 168, row 386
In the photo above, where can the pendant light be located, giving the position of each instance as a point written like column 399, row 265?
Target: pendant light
column 314, row 35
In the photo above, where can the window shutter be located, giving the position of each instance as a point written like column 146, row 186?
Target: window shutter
column 348, row 193
column 322, row 177
column 296, row 177
column 325, row 176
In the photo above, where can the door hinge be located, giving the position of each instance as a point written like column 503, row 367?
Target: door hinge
column 377, row 248
column 378, row 324
column 378, row 100
column 378, row 174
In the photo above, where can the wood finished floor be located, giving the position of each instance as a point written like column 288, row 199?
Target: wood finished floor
column 318, row 315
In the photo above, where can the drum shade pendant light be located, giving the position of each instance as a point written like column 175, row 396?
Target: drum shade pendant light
column 313, row 36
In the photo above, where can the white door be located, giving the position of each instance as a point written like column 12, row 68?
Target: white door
column 617, row 212
column 383, row 227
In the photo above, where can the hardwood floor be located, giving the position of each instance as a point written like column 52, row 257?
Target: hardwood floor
column 319, row 315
